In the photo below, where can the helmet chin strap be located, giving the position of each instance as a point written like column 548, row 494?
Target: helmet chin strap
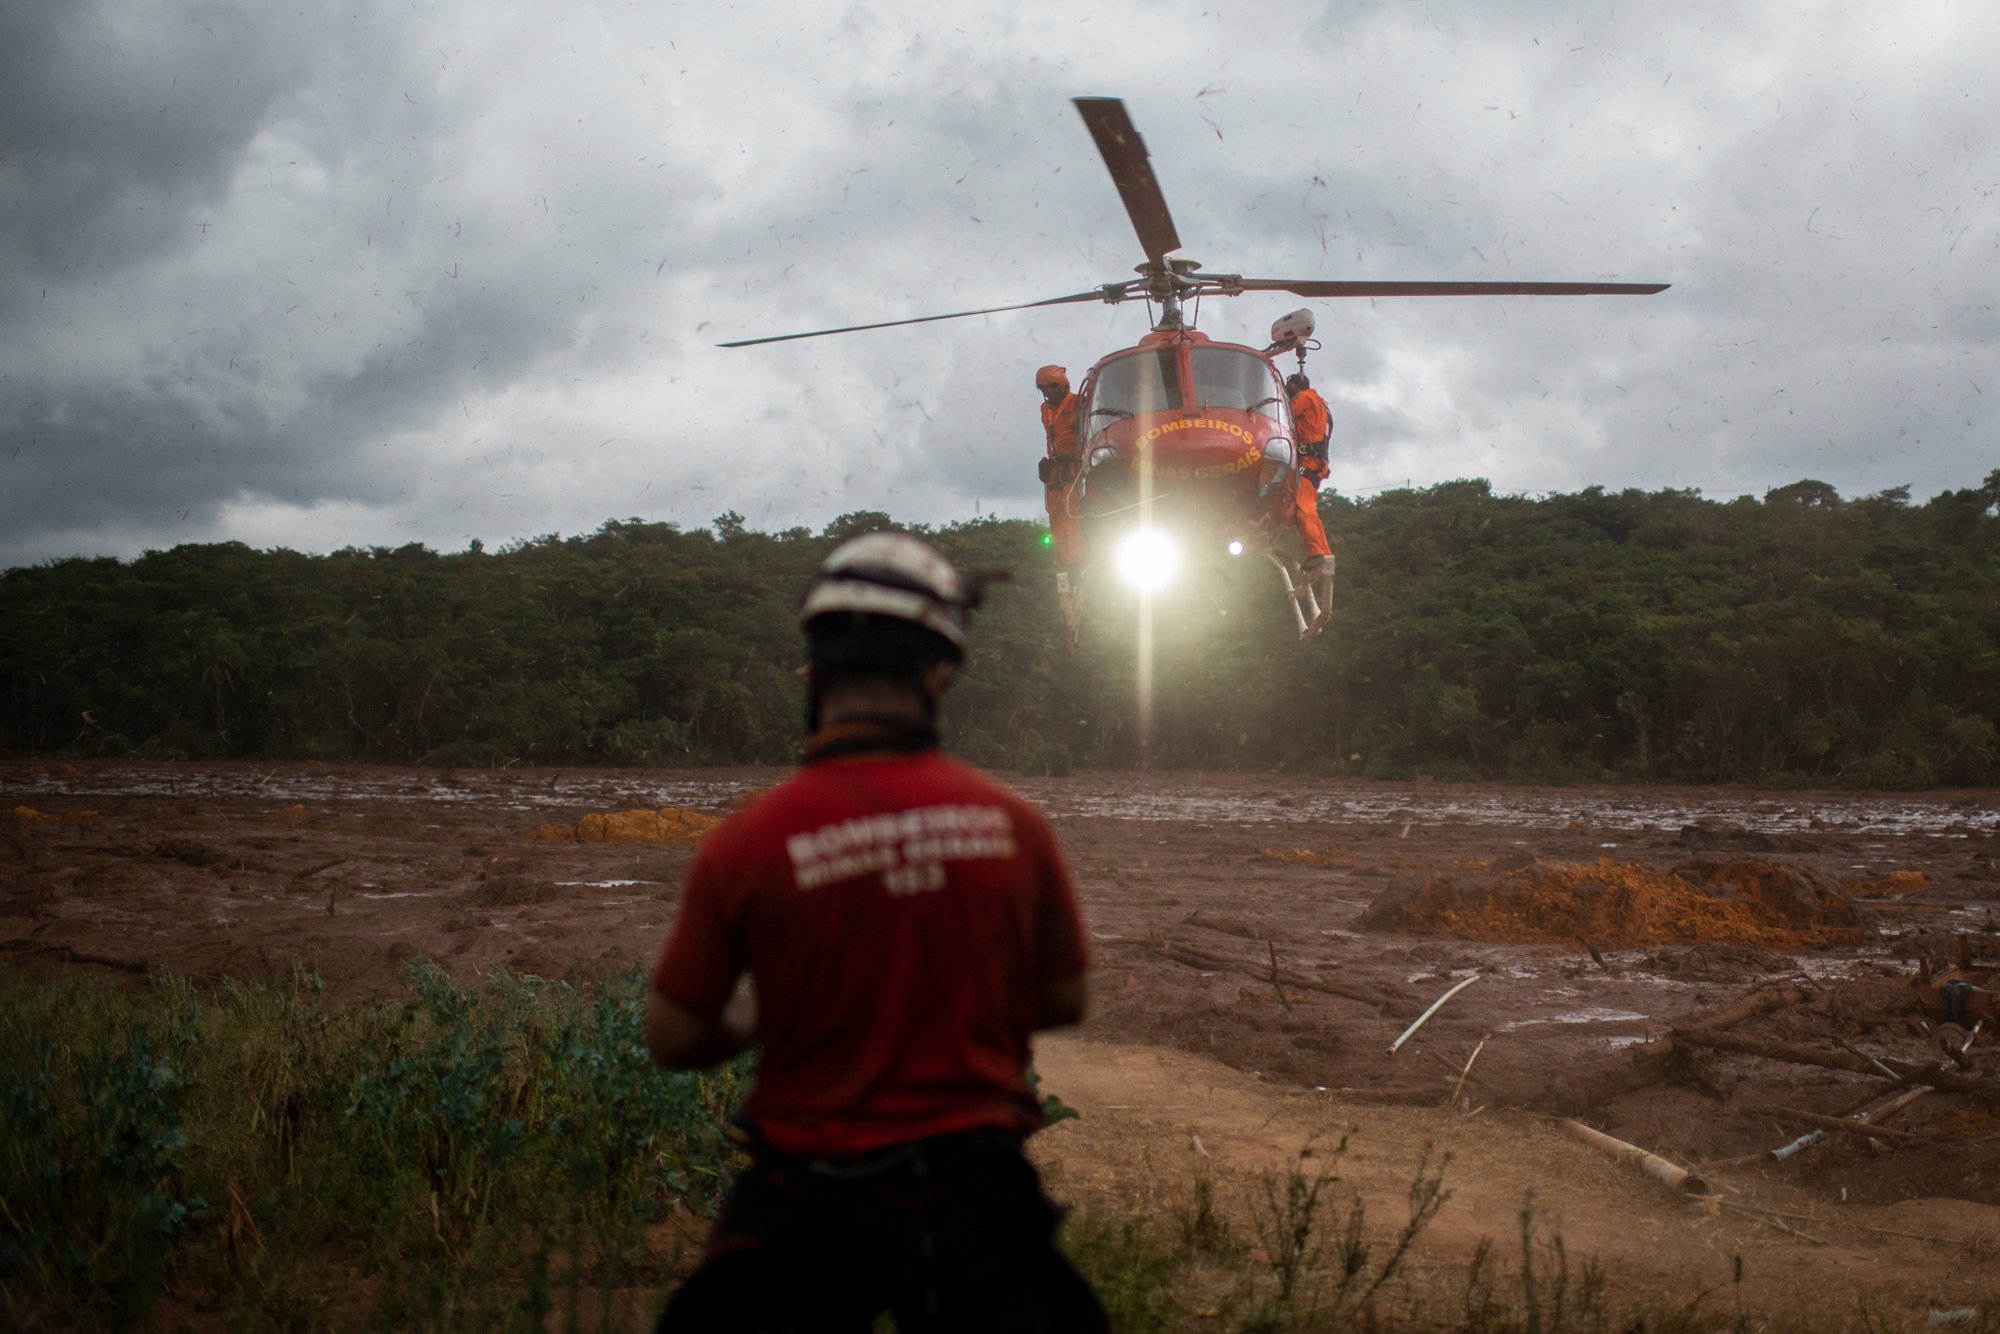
column 911, row 702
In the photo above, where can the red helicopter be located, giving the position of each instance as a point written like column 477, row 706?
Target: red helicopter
column 1186, row 446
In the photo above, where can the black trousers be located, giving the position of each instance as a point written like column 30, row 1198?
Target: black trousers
column 953, row 1233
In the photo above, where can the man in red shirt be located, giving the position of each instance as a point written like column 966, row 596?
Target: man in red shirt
column 906, row 924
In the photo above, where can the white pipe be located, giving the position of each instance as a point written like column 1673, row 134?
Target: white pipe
column 1436, row 1005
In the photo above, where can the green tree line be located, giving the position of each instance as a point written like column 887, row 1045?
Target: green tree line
column 1595, row 636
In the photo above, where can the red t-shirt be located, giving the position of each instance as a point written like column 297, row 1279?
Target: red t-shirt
column 897, row 914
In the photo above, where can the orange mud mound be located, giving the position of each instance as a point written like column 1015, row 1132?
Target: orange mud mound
column 1896, row 882
column 1620, row 905
column 670, row 826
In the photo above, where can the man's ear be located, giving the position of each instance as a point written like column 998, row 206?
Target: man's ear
column 937, row 676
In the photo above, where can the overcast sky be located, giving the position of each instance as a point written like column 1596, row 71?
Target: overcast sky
column 317, row 275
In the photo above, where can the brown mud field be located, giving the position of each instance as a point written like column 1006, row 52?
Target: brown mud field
column 1697, row 971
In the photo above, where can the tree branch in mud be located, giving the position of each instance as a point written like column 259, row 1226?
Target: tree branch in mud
column 1828, row 1060
column 1846, row 1125
column 1748, row 1006
column 1194, row 956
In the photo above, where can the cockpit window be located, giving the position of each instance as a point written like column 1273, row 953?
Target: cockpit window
column 1226, row 378
column 1143, row 382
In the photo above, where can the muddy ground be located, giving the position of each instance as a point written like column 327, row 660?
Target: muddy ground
column 1195, row 886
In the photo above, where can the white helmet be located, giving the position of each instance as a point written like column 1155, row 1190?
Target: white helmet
column 895, row 575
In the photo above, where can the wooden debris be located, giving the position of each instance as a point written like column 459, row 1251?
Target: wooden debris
column 1462, row 1074
column 1466, row 1073
column 1777, row 1051
column 1889, row 1109
column 1940, row 1079
column 1194, row 956
column 1904, row 1080
column 1777, row 1218
column 1846, row 1125
column 1668, row 1174
column 1277, row 983
column 1748, row 1006
column 1875, row 1061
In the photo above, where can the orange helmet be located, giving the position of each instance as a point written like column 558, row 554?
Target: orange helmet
column 1049, row 375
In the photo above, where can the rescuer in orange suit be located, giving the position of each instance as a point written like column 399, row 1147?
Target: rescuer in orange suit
column 1058, row 467
column 1314, row 424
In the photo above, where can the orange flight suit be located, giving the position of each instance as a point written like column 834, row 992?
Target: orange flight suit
column 1314, row 424
column 1059, row 422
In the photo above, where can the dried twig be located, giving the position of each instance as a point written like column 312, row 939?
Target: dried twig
column 1775, row 1218
column 1278, row 983
column 1466, row 1073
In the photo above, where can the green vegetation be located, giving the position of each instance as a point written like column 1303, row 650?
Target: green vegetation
column 473, row 1159
column 1588, row 637
column 505, row 1158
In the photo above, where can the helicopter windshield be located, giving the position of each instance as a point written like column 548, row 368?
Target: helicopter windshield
column 1227, row 378
column 1147, row 381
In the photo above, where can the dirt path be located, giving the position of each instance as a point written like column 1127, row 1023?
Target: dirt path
column 1194, row 887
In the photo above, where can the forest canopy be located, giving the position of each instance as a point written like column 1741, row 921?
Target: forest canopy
column 1596, row 636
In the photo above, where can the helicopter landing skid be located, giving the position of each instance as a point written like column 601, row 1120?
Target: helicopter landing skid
column 1311, row 594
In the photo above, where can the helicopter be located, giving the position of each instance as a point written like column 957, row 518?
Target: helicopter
column 1185, row 446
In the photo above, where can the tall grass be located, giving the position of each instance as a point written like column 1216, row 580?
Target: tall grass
column 505, row 1157
column 486, row 1157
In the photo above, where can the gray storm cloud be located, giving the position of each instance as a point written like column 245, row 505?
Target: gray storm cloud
column 326, row 277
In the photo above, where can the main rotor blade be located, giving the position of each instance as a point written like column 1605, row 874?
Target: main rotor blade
column 1314, row 287
column 1125, row 154
column 1096, row 294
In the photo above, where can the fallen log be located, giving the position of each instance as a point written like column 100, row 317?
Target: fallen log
column 1776, row 1051
column 1668, row 1174
column 1182, row 952
column 1940, row 1079
column 1761, row 1001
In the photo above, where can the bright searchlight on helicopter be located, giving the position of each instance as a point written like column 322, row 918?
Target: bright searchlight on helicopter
column 1148, row 559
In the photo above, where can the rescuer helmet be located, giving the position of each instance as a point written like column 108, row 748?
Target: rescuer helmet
column 1297, row 381
column 1052, row 375
column 896, row 578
